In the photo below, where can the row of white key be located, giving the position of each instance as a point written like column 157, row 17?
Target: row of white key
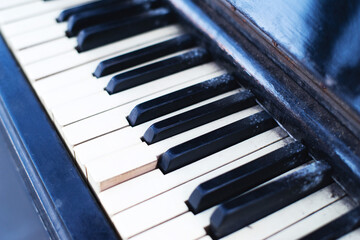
column 164, row 205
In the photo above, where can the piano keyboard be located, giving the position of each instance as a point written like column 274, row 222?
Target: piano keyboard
column 172, row 145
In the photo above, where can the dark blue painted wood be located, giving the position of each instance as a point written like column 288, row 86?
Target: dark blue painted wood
column 321, row 36
column 69, row 205
column 295, row 108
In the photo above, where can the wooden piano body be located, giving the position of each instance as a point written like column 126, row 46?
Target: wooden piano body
column 291, row 57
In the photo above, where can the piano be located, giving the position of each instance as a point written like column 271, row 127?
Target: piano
column 185, row 119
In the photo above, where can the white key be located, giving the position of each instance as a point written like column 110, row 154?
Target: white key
column 354, row 235
column 115, row 119
column 45, row 50
column 34, row 9
column 100, row 102
column 37, row 37
column 205, row 238
column 172, row 203
column 86, row 152
column 104, row 164
column 154, row 182
column 13, row 3
column 72, row 59
column 182, row 227
column 30, row 24
column 289, row 215
column 134, row 161
column 316, row 220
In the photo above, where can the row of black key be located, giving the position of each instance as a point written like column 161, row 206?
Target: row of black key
column 229, row 216
column 103, row 22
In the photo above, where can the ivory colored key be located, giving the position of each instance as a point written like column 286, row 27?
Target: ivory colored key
column 72, row 59
column 34, row 9
column 113, row 170
column 90, row 150
column 316, row 220
column 36, row 37
column 100, row 102
column 172, row 203
column 8, row 4
column 338, row 227
column 114, row 203
column 182, row 227
column 354, row 235
column 289, row 215
column 45, row 50
column 104, row 164
column 30, row 24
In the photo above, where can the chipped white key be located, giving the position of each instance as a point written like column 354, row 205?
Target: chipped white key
column 289, row 215
column 113, row 201
column 105, row 163
column 316, row 220
column 182, row 227
column 90, row 150
column 72, row 59
column 172, row 203
column 113, row 170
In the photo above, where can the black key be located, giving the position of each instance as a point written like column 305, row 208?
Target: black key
column 157, row 70
column 250, row 207
column 185, row 97
column 117, row 11
column 143, row 55
column 113, row 31
column 212, row 142
column 337, row 228
column 250, row 175
column 198, row 116
column 65, row 15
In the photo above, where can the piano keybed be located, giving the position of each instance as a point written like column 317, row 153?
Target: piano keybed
column 143, row 196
